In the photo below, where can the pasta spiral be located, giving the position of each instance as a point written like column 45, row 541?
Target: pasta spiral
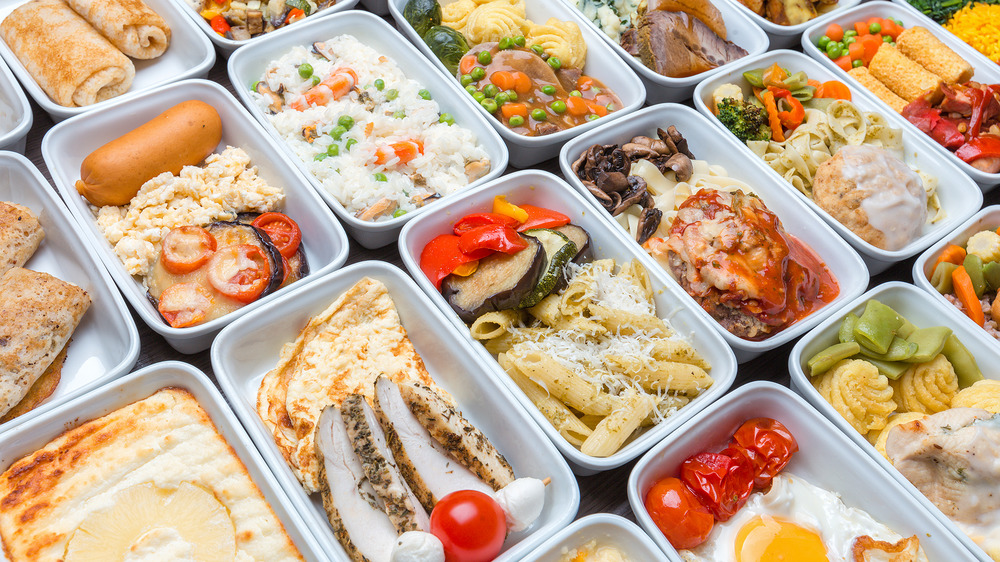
column 926, row 387
column 984, row 394
column 859, row 393
column 561, row 39
column 492, row 21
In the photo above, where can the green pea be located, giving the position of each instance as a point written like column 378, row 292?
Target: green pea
column 849, row 40
column 320, row 157
column 538, row 49
column 471, row 89
column 478, row 73
column 399, row 115
column 338, row 132
column 832, row 49
column 333, row 150
column 823, row 42
column 548, row 89
column 610, row 106
column 346, row 121
column 501, row 98
column 315, row 80
column 511, row 95
column 379, row 176
column 350, row 143
column 392, row 94
column 466, row 80
column 850, row 33
column 484, row 57
column 555, row 63
column 593, row 117
column 426, row 94
column 898, row 22
column 886, row 39
column 519, row 40
column 479, row 96
column 446, row 118
column 379, row 84
column 515, row 121
column 505, row 43
column 539, row 114
column 305, row 70
column 398, row 213
column 857, row 63
column 490, row 90
column 489, row 104
column 559, row 106
column 875, row 28
column 576, row 94
column 595, row 89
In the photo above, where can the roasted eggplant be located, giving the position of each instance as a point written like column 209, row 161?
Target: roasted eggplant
column 501, row 282
column 581, row 238
column 559, row 250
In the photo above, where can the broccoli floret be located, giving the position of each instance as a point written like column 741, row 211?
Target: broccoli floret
column 747, row 121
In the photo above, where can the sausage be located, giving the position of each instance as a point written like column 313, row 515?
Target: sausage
column 180, row 136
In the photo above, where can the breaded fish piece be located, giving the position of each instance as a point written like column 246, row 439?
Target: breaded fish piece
column 876, row 87
column 903, row 76
column 920, row 46
column 20, row 235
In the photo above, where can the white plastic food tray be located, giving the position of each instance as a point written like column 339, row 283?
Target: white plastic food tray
column 740, row 29
column 923, row 268
column 923, row 311
column 227, row 46
column 958, row 194
column 606, row 529
column 248, row 65
column 67, row 144
column 987, row 71
column 141, row 384
column 706, row 143
column 105, row 345
column 546, row 190
column 784, row 36
column 190, row 55
column 20, row 117
column 250, row 347
column 602, row 64
column 825, row 459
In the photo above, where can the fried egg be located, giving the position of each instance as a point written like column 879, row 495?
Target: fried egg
column 794, row 521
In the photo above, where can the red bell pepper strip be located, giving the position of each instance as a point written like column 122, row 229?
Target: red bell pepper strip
column 495, row 237
column 441, row 256
column 986, row 146
column 979, row 102
column 539, row 217
column 794, row 117
column 468, row 222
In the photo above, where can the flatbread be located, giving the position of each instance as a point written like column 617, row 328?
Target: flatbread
column 38, row 314
column 20, row 235
column 130, row 25
column 42, row 389
column 71, row 62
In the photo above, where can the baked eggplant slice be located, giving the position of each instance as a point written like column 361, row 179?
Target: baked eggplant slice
column 501, row 282
column 581, row 238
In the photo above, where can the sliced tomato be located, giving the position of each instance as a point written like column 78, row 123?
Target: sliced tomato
column 284, row 232
column 186, row 248
column 240, row 272
column 185, row 304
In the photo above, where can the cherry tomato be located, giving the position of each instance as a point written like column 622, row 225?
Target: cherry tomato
column 219, row 24
column 284, row 232
column 240, row 272
column 471, row 526
column 185, row 304
column 678, row 513
column 722, row 482
column 186, row 248
column 770, row 444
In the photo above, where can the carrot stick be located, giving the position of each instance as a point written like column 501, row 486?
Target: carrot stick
column 952, row 254
column 772, row 116
column 967, row 295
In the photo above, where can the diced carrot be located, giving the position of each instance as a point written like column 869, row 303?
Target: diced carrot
column 967, row 295
column 777, row 134
column 861, row 27
column 502, row 79
column 953, row 253
column 467, row 64
column 871, row 44
column 891, row 28
column 597, row 108
column 998, row 230
column 522, row 82
column 843, row 62
column 834, row 89
column 835, row 32
column 369, row 128
column 509, row 110
column 856, row 51
column 584, row 83
column 576, row 106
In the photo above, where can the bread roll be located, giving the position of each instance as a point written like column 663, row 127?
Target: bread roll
column 69, row 60
column 130, row 25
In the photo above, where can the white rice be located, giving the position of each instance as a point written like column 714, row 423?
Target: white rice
column 351, row 176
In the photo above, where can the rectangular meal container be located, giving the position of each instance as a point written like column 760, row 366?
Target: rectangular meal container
column 250, row 347
column 740, row 29
column 248, row 65
column 141, row 384
column 825, row 459
column 190, row 55
column 602, row 63
column 67, row 144
column 227, row 46
column 924, row 311
column 606, row 529
column 546, row 190
column 105, row 345
column 923, row 268
column 785, row 36
column 956, row 191
column 19, row 117
column 987, row 71
column 705, row 142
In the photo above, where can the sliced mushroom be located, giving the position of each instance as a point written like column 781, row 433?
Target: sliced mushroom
column 380, row 208
column 275, row 99
column 309, row 133
column 679, row 141
column 368, row 101
column 656, row 145
column 424, row 198
column 611, row 181
column 637, row 151
column 636, row 195
column 602, row 197
column 477, row 169
column 649, row 221
column 681, row 165
column 320, row 49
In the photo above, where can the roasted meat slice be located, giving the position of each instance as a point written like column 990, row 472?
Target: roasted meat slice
column 678, row 44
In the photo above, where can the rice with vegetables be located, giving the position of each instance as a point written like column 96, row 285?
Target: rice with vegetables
column 374, row 139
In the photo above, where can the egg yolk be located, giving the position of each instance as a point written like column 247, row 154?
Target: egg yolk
column 766, row 539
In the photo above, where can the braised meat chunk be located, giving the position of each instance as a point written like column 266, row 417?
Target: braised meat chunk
column 678, row 44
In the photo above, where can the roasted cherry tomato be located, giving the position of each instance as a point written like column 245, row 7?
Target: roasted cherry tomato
column 186, row 248
column 284, row 232
column 722, row 482
column 240, row 272
column 678, row 513
column 770, row 444
column 219, row 24
column 471, row 526
column 185, row 304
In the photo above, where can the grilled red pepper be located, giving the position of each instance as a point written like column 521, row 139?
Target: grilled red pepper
column 986, row 146
column 793, row 118
column 542, row 218
column 980, row 100
column 441, row 256
column 469, row 222
column 219, row 24
column 722, row 482
column 495, row 237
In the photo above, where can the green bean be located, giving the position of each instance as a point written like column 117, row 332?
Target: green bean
column 941, row 279
column 804, row 93
column 755, row 77
column 930, row 342
column 991, row 272
column 899, row 350
column 876, row 327
column 962, row 361
column 846, row 333
column 906, row 329
column 796, row 81
column 827, row 358
column 891, row 369
column 974, row 267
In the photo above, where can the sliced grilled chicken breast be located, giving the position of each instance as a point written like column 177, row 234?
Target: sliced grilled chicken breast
column 430, row 470
column 366, row 434
column 356, row 513
column 459, row 437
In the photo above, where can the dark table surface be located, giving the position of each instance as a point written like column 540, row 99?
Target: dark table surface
column 601, row 493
